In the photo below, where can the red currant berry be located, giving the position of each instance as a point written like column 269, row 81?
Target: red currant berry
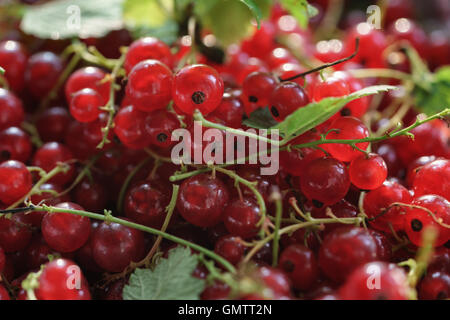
column 130, row 126
column 286, row 98
column 115, row 246
column 241, row 218
column 384, row 251
column 85, row 105
column 197, row 87
column 257, row 89
column 346, row 128
column 376, row 281
column 42, row 73
column 368, row 172
column 49, row 155
column 61, row 279
column 202, row 200
column 376, row 205
column 230, row 111
column 149, row 85
column 146, row 204
column 405, row 29
column 435, row 286
column 11, row 110
column 91, row 195
column 276, row 281
column 300, row 265
column 88, row 77
column 147, row 48
column 160, row 125
column 344, row 249
column 415, row 167
column 331, row 87
column 52, row 124
column 231, row 248
column 15, row 233
column 15, row 181
column 417, row 219
column 13, row 58
column 15, row 144
column 426, row 177
column 64, row 231
column 325, row 181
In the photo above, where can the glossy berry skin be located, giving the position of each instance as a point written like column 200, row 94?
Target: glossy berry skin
column 146, row 203
column 346, row 128
column 231, row 248
column 202, row 200
column 49, row 155
column 85, row 105
column 241, row 218
column 15, row 233
column 91, row 195
column 130, row 128
column 147, row 48
column 54, row 280
column 417, row 220
column 88, row 77
column 15, row 144
column 341, row 209
column 149, row 85
column 378, row 201
column 42, row 73
column 13, row 58
column 257, row 89
column 376, row 281
column 52, row 124
column 300, row 264
column 368, row 172
column 434, row 286
column 160, row 125
column 344, row 249
column 11, row 110
column 15, row 181
column 415, row 167
column 276, row 281
column 325, row 180
column 230, row 111
column 286, row 98
column 197, row 87
column 425, row 181
column 4, row 295
column 114, row 246
column 331, row 87
column 66, row 232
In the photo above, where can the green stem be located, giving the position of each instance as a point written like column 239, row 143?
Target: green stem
column 380, row 73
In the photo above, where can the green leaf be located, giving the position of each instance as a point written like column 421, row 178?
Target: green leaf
column 168, row 32
column 170, row 280
column 437, row 97
column 61, row 19
column 260, row 119
column 315, row 113
column 148, row 13
column 229, row 20
column 254, row 9
column 300, row 10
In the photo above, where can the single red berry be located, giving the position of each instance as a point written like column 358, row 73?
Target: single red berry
column 276, row 281
column 15, row 233
column 241, row 218
column 130, row 126
column 64, row 231
column 231, row 248
column 53, row 124
column 418, row 219
column 11, row 110
column 42, row 73
column 62, row 279
column 202, row 200
column 435, row 286
column 15, row 144
column 88, row 77
column 15, row 181
column 376, row 281
column 115, row 246
column 344, row 249
column 147, row 48
column 286, row 98
column 300, row 265
column 160, row 125
column 197, row 87
column 426, row 177
column 368, row 172
column 49, row 155
column 257, row 90
column 85, row 105
column 13, row 58
column 384, row 246
column 346, row 128
column 415, row 167
column 91, row 195
column 331, row 87
column 325, row 181
column 377, row 206
column 149, row 85
column 230, row 111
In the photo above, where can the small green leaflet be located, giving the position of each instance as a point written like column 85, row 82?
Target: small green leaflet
column 437, row 98
column 254, row 9
column 260, row 119
column 171, row 279
column 62, row 19
column 313, row 114
column 300, row 10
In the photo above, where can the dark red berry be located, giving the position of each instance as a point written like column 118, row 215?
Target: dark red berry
column 231, row 248
column 241, row 218
column 11, row 110
column 286, row 98
column 15, row 144
column 15, row 181
column 300, row 264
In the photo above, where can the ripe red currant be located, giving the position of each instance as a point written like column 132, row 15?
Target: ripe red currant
column 435, row 286
column 88, row 77
column 160, row 125
column 13, row 58
column 286, row 98
column 257, row 89
column 11, row 110
column 15, row 144
column 231, row 248
column 85, row 105
column 147, row 48
column 130, row 128
column 15, row 181
column 241, row 218
column 300, row 265
column 368, row 172
column 426, row 177
column 53, row 124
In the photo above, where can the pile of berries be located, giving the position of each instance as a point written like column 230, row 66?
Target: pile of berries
column 358, row 207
